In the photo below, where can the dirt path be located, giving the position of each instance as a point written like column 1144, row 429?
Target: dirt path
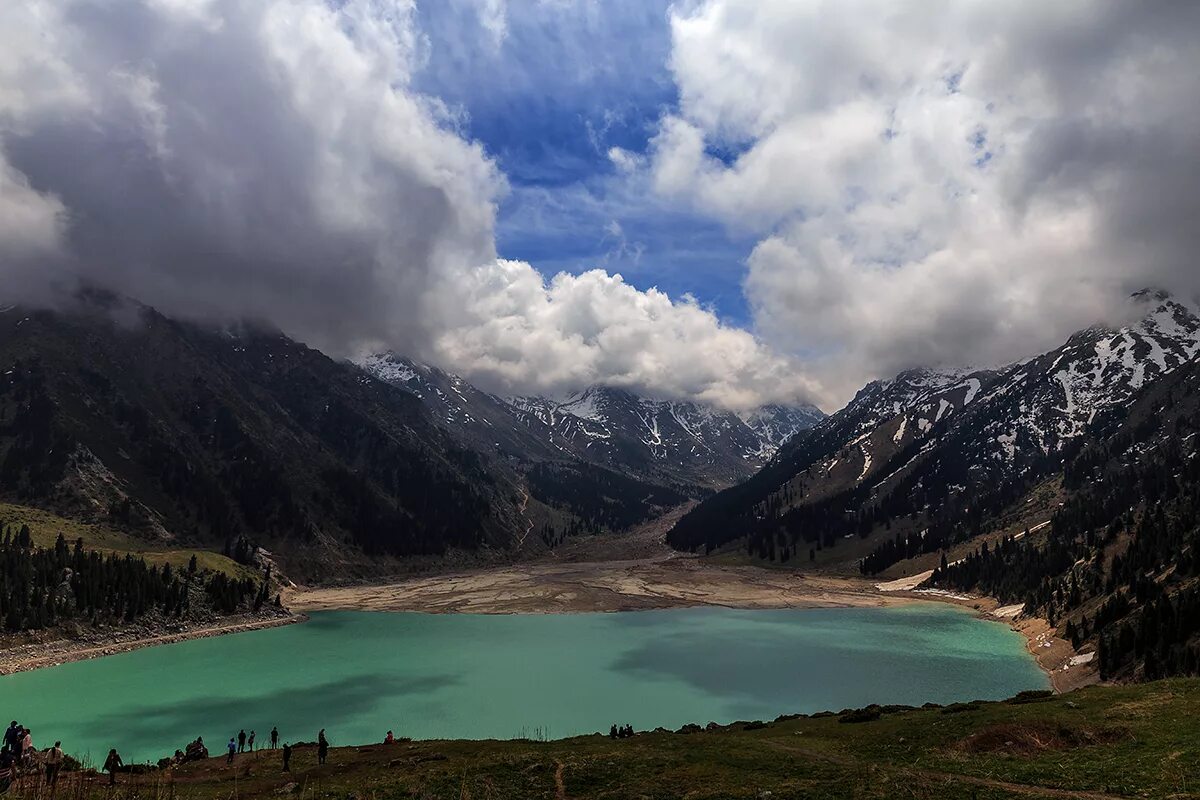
column 529, row 527
column 560, row 788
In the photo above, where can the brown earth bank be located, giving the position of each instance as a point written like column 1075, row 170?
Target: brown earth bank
column 598, row 586
column 608, row 572
column 48, row 649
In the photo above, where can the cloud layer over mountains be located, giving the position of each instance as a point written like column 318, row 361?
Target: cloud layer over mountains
column 928, row 183
column 943, row 181
column 269, row 160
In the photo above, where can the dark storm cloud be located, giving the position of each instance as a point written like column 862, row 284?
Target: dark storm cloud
column 229, row 159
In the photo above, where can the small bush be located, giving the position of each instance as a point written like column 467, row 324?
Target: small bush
column 1030, row 696
column 868, row 714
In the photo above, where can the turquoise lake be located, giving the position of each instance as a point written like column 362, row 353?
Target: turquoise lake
column 358, row 674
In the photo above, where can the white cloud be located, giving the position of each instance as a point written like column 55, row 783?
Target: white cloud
column 521, row 331
column 935, row 183
column 624, row 160
column 943, row 182
column 229, row 159
column 493, row 16
column 221, row 159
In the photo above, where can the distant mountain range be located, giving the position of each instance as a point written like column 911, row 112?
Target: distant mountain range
column 177, row 432
column 235, row 437
column 673, row 442
column 1067, row 485
column 926, row 443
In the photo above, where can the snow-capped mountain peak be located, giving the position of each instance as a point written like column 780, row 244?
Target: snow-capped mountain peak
column 680, row 441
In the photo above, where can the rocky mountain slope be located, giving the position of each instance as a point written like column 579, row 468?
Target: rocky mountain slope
column 1116, row 567
column 684, row 443
column 240, row 438
column 170, row 430
column 927, row 442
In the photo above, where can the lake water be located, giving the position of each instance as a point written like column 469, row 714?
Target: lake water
column 357, row 674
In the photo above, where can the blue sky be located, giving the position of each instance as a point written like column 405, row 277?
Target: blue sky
column 547, row 100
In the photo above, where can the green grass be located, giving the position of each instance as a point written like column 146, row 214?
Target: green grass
column 1134, row 741
column 45, row 526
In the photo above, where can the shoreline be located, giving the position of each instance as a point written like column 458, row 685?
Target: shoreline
column 598, row 586
column 64, row 651
column 588, row 587
column 1053, row 655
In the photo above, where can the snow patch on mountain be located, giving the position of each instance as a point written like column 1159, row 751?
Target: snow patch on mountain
column 1062, row 392
column 681, row 440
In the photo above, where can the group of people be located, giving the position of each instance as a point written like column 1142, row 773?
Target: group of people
column 245, row 743
column 18, row 752
column 239, row 743
column 623, row 732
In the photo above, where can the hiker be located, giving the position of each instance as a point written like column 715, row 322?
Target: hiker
column 287, row 756
column 322, row 747
column 274, row 737
column 18, row 743
column 112, row 764
column 54, row 762
column 250, row 742
column 232, row 749
column 10, row 736
column 27, row 750
column 196, row 750
column 389, row 739
column 242, row 741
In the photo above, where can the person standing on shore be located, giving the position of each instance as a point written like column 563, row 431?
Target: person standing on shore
column 112, row 764
column 322, row 747
column 232, row 747
column 287, row 756
column 250, row 742
column 274, row 737
column 242, row 740
column 54, row 762
column 27, row 745
column 10, row 736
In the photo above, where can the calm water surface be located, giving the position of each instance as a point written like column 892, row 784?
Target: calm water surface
column 358, row 674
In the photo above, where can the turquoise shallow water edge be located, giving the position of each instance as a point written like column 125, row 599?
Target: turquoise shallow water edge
column 358, row 674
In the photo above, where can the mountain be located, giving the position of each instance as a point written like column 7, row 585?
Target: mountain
column 1117, row 568
column 918, row 452
column 483, row 420
column 178, row 432
column 1067, row 485
column 664, row 442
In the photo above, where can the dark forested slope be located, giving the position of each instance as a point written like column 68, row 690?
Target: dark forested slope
column 171, row 429
column 1119, row 565
column 930, row 457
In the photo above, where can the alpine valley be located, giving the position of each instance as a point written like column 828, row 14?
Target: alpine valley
column 1065, row 484
column 242, row 439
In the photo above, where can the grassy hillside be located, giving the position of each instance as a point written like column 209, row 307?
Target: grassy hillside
column 1130, row 741
column 45, row 527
